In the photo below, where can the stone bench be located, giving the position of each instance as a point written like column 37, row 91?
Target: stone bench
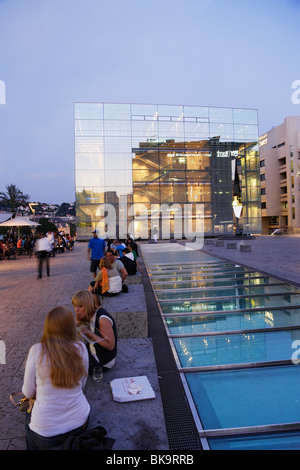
column 23, row 251
column 231, row 246
column 245, row 248
column 129, row 311
column 220, row 243
column 134, row 279
column 210, row 242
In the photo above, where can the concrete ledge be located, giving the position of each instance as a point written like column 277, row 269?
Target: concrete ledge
column 220, row 243
column 231, row 246
column 137, row 425
column 245, row 248
column 210, row 242
column 134, row 279
column 131, row 324
column 129, row 311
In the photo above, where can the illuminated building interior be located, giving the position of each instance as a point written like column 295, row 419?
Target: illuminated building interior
column 140, row 158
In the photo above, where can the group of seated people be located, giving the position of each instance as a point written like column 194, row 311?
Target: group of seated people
column 69, row 351
column 60, row 242
column 114, row 267
column 13, row 246
column 127, row 252
column 7, row 249
column 57, row 368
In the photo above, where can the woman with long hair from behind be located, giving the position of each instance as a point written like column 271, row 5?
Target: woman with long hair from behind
column 55, row 374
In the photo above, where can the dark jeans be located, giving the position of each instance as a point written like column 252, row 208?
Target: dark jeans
column 99, row 291
column 43, row 256
column 93, row 362
column 36, row 442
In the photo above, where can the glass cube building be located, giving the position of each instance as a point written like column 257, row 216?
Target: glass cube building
column 140, row 167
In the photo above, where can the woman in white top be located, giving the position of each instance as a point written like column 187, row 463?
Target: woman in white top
column 114, row 281
column 55, row 374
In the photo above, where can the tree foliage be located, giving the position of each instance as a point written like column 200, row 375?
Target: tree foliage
column 45, row 226
column 63, row 209
column 13, row 198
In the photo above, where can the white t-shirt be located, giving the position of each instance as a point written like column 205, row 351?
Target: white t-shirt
column 56, row 410
column 118, row 265
column 43, row 244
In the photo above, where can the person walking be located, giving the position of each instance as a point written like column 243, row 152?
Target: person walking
column 55, row 373
column 43, row 249
column 96, row 251
column 50, row 236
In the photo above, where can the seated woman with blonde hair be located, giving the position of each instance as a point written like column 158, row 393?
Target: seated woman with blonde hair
column 55, row 374
column 98, row 328
column 108, row 282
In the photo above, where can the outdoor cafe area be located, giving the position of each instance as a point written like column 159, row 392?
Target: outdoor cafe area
column 18, row 236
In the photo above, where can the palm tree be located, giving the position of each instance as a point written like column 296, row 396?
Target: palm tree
column 13, row 198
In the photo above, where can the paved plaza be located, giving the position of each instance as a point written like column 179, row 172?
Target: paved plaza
column 276, row 255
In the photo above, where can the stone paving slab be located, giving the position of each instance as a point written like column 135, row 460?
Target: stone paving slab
column 276, row 255
column 24, row 303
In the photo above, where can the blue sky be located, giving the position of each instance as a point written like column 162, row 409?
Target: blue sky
column 233, row 53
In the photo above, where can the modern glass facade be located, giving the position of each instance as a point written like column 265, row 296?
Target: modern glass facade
column 140, row 167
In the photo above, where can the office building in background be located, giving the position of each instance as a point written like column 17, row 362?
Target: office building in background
column 279, row 174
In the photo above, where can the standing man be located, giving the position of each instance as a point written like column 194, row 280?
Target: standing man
column 43, row 250
column 51, row 239
column 96, row 250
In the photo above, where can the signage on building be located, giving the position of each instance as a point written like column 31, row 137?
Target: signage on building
column 263, row 140
column 227, row 153
column 156, row 141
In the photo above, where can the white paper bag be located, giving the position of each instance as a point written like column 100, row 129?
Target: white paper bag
column 132, row 389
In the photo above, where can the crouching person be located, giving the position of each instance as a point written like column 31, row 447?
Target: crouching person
column 99, row 330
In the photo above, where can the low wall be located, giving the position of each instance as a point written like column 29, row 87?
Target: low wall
column 129, row 311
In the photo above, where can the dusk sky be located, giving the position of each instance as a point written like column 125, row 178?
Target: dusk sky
column 227, row 53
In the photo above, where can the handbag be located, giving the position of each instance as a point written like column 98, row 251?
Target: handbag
column 24, row 404
column 124, row 288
